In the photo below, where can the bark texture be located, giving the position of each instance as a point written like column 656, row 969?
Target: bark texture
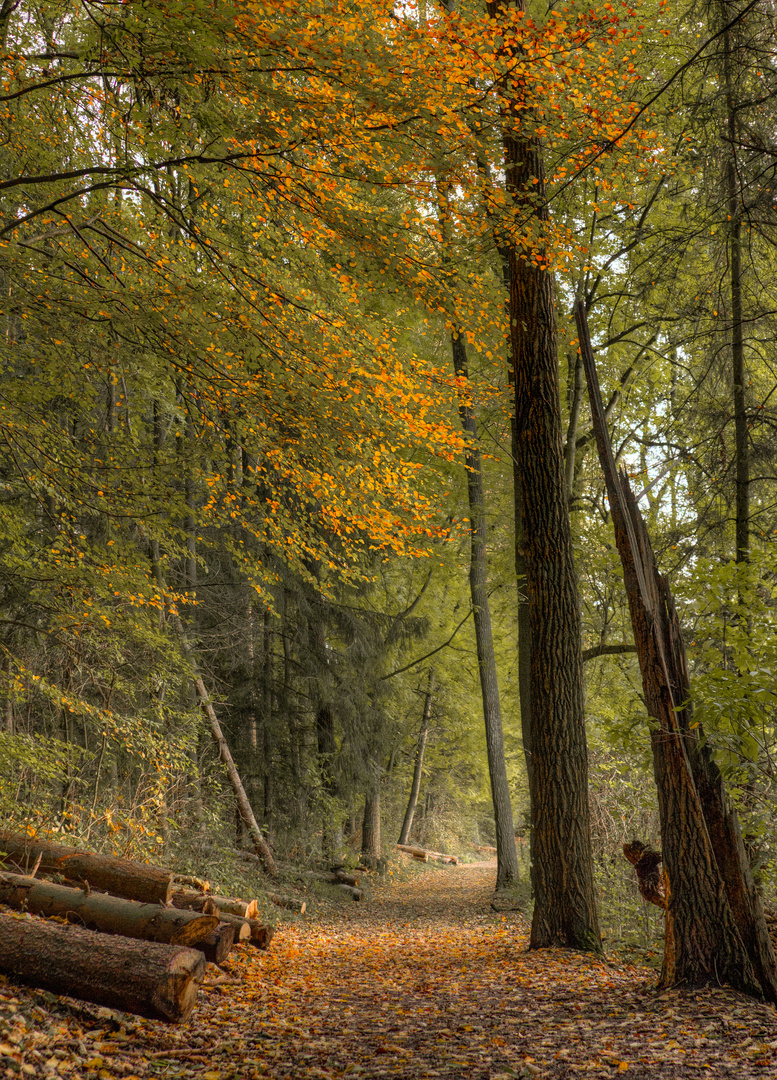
column 121, row 877
column 562, row 865
column 106, row 913
column 141, row 977
column 715, row 927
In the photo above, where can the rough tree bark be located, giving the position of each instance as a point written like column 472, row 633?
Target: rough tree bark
column 120, row 877
column 715, row 928
column 105, row 913
column 562, row 863
column 141, row 977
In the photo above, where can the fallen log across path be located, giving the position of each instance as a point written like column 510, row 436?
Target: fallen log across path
column 122, row 877
column 424, row 855
column 106, row 913
column 141, row 977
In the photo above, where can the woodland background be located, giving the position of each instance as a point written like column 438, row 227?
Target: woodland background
column 236, row 244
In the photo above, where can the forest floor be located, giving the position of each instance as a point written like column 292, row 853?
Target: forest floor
column 422, row 979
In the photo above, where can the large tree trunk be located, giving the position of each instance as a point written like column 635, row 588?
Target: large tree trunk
column 106, row 913
column 157, row 981
column 121, row 877
column 562, row 863
column 415, row 788
column 715, row 929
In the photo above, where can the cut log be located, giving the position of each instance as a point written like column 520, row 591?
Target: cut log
column 217, row 945
column 289, row 903
column 355, row 894
column 423, row 854
column 198, row 901
column 261, row 934
column 103, row 912
column 121, row 877
column 200, row 884
column 141, row 977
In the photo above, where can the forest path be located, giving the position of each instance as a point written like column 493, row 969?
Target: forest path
column 424, row 979
column 420, row 980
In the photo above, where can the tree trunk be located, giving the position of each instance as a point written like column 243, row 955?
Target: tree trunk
column 370, row 854
column 562, row 863
column 415, row 788
column 738, row 372
column 508, row 872
column 141, row 977
column 106, row 913
column 121, row 877
column 715, row 929
column 261, row 847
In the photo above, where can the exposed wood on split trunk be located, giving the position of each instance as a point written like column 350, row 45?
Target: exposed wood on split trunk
column 106, row 913
column 141, row 977
column 651, row 880
column 715, row 927
column 121, row 877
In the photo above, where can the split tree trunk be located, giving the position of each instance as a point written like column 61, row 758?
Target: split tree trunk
column 106, row 913
column 715, row 928
column 145, row 978
column 120, row 877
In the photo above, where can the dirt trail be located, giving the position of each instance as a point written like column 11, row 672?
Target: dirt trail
column 422, row 980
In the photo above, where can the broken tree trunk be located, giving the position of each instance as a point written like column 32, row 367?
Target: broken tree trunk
column 423, row 854
column 715, row 927
column 106, row 913
column 141, row 977
column 121, row 877
column 649, row 877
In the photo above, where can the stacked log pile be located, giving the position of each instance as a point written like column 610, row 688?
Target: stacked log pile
column 141, row 942
column 142, row 936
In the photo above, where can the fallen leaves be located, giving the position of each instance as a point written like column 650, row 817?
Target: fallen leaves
column 423, row 981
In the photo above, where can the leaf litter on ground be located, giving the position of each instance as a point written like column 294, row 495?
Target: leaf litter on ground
column 423, row 980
